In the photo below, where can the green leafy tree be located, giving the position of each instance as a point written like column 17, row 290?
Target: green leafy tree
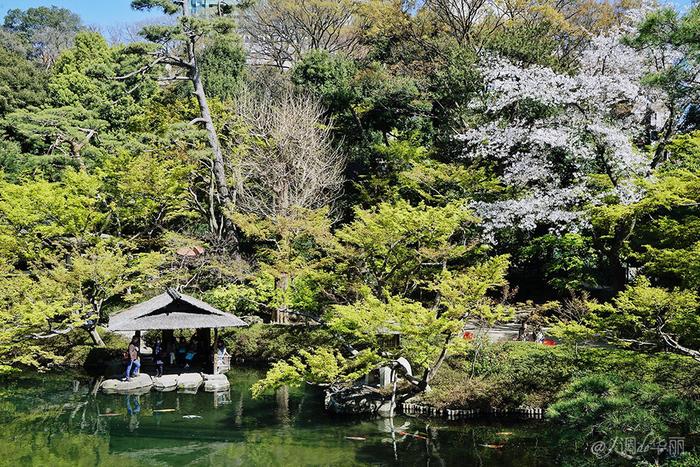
column 428, row 334
column 574, row 322
column 644, row 315
column 39, row 218
column 665, row 244
column 620, row 231
column 22, row 84
column 176, row 46
column 147, row 191
column 599, row 408
column 665, row 31
column 48, row 30
column 294, row 256
column 85, row 76
column 222, row 62
column 373, row 99
column 394, row 247
column 53, row 138
column 411, row 277
column 328, row 76
column 58, row 269
column 565, row 262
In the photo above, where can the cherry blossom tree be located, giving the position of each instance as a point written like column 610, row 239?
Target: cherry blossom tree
column 561, row 142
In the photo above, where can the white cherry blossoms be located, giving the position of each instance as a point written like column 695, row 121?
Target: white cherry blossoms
column 549, row 134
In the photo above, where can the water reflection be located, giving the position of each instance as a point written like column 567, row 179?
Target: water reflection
column 222, row 398
column 282, row 405
column 238, row 418
column 133, row 411
column 61, row 421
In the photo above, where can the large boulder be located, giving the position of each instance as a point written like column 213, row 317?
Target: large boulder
column 165, row 383
column 216, row 383
column 139, row 384
column 189, row 382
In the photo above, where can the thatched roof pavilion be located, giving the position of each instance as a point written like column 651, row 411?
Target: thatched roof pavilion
column 172, row 310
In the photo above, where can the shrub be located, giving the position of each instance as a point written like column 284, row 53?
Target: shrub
column 603, row 408
column 264, row 343
column 507, row 375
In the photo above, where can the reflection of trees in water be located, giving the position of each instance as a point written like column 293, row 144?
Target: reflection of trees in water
column 480, row 442
column 282, row 405
column 58, row 418
column 57, row 449
column 238, row 419
column 53, row 424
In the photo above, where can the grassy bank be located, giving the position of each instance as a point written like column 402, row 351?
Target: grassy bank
column 595, row 397
column 512, row 374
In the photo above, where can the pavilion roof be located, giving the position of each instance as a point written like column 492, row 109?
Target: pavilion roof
column 172, row 310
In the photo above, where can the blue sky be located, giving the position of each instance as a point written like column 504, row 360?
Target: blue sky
column 93, row 12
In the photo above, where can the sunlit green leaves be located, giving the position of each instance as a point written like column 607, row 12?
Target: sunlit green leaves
column 394, row 246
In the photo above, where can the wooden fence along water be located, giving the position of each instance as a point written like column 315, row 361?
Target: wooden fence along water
column 454, row 414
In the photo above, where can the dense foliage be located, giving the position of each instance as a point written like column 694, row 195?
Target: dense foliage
column 375, row 168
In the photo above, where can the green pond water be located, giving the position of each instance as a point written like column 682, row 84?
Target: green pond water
column 53, row 420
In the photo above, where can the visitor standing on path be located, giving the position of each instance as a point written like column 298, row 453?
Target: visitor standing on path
column 133, row 355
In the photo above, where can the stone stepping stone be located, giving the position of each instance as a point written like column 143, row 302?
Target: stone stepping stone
column 165, row 383
column 189, row 382
column 215, row 383
column 140, row 384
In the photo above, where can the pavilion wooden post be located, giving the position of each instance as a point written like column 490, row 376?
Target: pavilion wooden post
column 204, row 336
column 214, row 359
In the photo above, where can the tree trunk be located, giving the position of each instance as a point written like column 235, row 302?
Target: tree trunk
column 282, row 407
column 677, row 347
column 205, row 113
column 96, row 339
column 613, row 248
column 660, row 152
column 618, row 271
column 219, row 168
column 281, row 315
column 431, row 372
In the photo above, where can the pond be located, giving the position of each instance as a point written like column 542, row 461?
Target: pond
column 52, row 420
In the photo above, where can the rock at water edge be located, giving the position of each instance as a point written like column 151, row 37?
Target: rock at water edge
column 189, row 382
column 214, row 383
column 137, row 384
column 165, row 383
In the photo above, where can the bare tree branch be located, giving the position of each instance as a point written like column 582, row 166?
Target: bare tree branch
column 290, row 161
column 282, row 31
